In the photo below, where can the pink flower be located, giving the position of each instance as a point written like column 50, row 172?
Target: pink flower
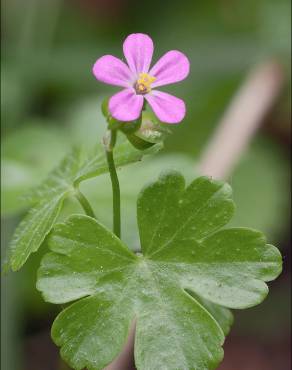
column 139, row 81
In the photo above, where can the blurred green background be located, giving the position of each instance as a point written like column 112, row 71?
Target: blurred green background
column 50, row 101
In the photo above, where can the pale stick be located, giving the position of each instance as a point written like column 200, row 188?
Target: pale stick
column 241, row 120
column 125, row 360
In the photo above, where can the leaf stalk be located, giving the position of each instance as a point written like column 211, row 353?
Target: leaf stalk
column 84, row 203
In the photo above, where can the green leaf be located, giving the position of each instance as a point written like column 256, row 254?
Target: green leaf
column 88, row 260
column 227, row 267
column 61, row 183
column 33, row 229
column 221, row 314
column 184, row 252
column 48, row 199
column 202, row 208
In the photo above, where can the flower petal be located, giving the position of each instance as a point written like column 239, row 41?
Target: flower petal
column 167, row 108
column 174, row 66
column 126, row 105
column 112, row 71
column 138, row 50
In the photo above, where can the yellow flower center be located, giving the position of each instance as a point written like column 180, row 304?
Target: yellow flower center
column 143, row 84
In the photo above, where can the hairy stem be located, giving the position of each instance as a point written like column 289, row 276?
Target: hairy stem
column 84, row 203
column 115, row 184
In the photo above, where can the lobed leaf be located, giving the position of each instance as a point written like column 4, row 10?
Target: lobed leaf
column 89, row 261
column 226, row 267
column 61, row 183
column 174, row 291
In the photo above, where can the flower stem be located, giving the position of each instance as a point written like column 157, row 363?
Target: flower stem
column 115, row 184
column 84, row 203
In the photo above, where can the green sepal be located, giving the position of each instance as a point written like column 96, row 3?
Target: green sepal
column 151, row 129
column 113, row 124
column 104, row 107
column 139, row 143
column 131, row 126
column 150, row 132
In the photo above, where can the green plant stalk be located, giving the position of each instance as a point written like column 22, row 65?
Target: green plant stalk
column 84, row 204
column 115, row 184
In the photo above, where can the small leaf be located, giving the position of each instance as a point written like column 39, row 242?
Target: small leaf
column 172, row 291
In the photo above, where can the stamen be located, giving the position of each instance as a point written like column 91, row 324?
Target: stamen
column 143, row 84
